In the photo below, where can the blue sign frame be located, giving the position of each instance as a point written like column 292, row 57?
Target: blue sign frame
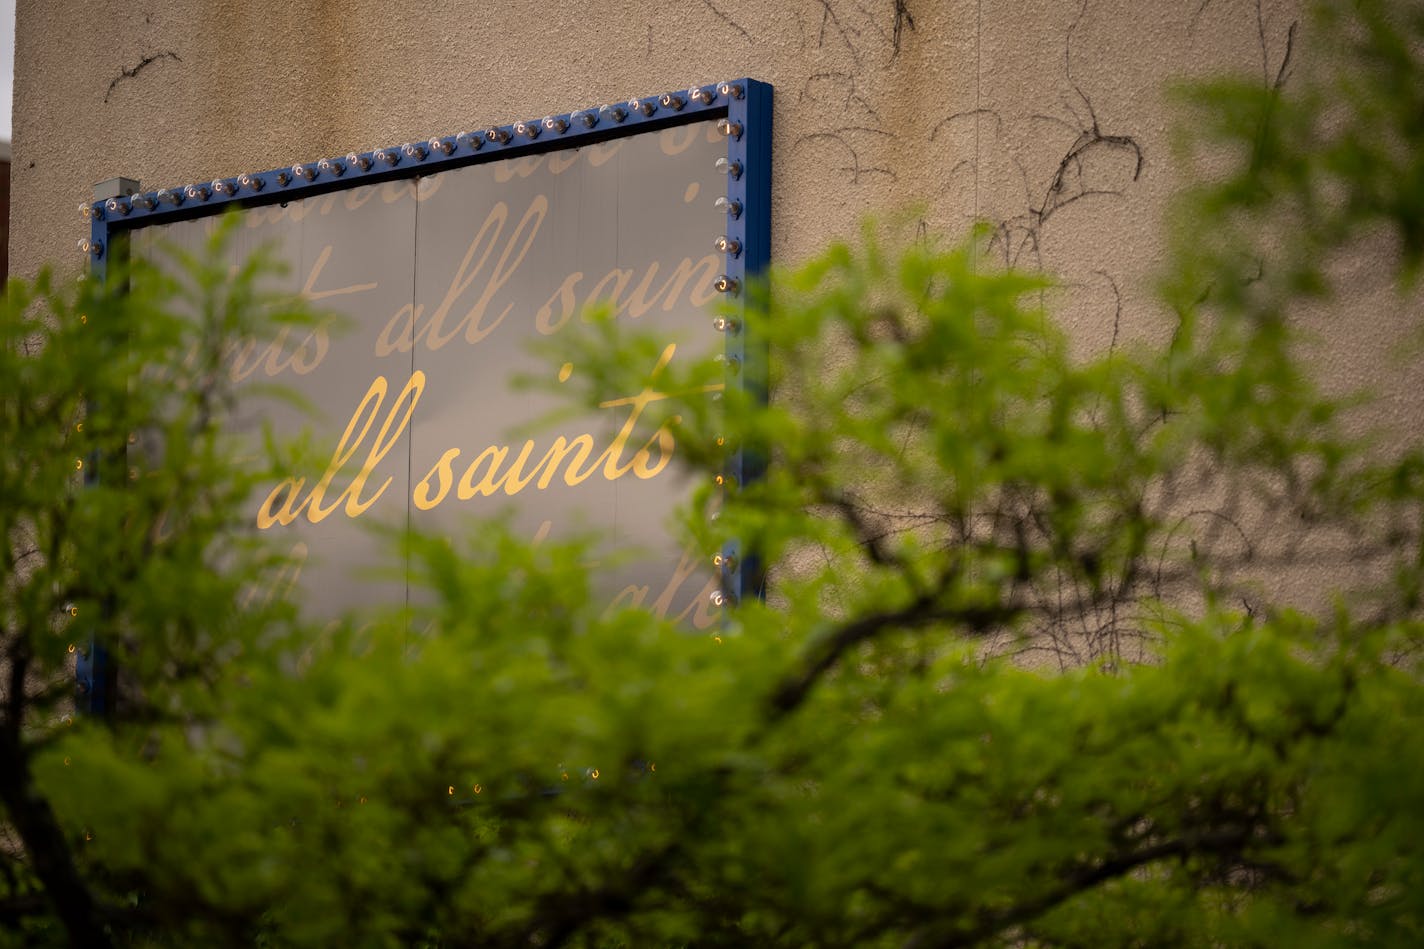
column 743, row 108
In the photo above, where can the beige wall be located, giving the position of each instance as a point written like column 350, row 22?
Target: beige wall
column 970, row 112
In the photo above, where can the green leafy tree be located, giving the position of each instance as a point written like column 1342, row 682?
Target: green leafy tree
column 873, row 756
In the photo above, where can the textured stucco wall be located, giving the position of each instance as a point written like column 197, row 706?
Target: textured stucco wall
column 969, row 108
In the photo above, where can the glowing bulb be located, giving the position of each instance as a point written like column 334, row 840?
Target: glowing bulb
column 497, row 135
column 306, row 172
column 726, row 284
column 92, row 248
column 73, row 610
column 727, row 127
column 593, row 774
column 645, row 106
column 169, row 197
column 732, row 208
column 702, row 95
column 141, row 201
column 90, row 211
column 728, row 245
column 588, row 118
column 357, row 161
column 726, row 166
column 389, row 156
column 615, row 113
column 250, row 182
column 224, row 187
column 441, row 145
column 671, row 100
column 71, row 648
column 413, row 150
column 328, row 166
column 196, row 192
column 556, row 124
column 477, row 788
column 720, row 598
column 529, row 130
column 117, row 206
column 450, row 790
column 731, row 90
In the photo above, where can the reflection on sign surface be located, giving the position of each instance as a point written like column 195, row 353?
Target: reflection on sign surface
column 443, row 281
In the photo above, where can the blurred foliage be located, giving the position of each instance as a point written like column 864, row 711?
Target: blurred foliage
column 939, row 730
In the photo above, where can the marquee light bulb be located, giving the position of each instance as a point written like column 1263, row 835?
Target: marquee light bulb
column 283, row 179
column 92, row 248
column 732, row 363
column 141, row 201
column 615, row 113
column 645, row 106
column 671, row 100
column 556, row 124
column 587, row 118
column 732, row 169
column 726, row 284
column 721, row 598
column 474, row 141
column 442, row 145
column 731, row 90
column 702, row 95
column 728, row 245
column 414, row 151
column 529, row 130
column 328, row 166
column 90, row 212
column 725, row 324
column 732, row 208
column 305, row 172
column 732, row 130
column 196, row 192
column 170, row 197
column 117, row 206
column 224, row 187
column 250, row 182
column 497, row 135
column 358, row 161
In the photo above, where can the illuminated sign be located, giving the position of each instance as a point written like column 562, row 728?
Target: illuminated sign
column 444, row 260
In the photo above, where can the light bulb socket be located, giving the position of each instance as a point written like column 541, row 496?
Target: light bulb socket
column 497, row 135
column 444, row 146
column 732, row 208
column 250, row 182
column 732, row 169
column 529, row 130
column 728, row 245
column 170, row 197
column 117, row 206
column 732, row 130
column 702, row 95
column 556, row 124
column 283, row 179
column 587, row 118
column 305, row 172
column 358, row 161
column 731, row 90
column 332, row 167
column 671, row 100
column 414, row 151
